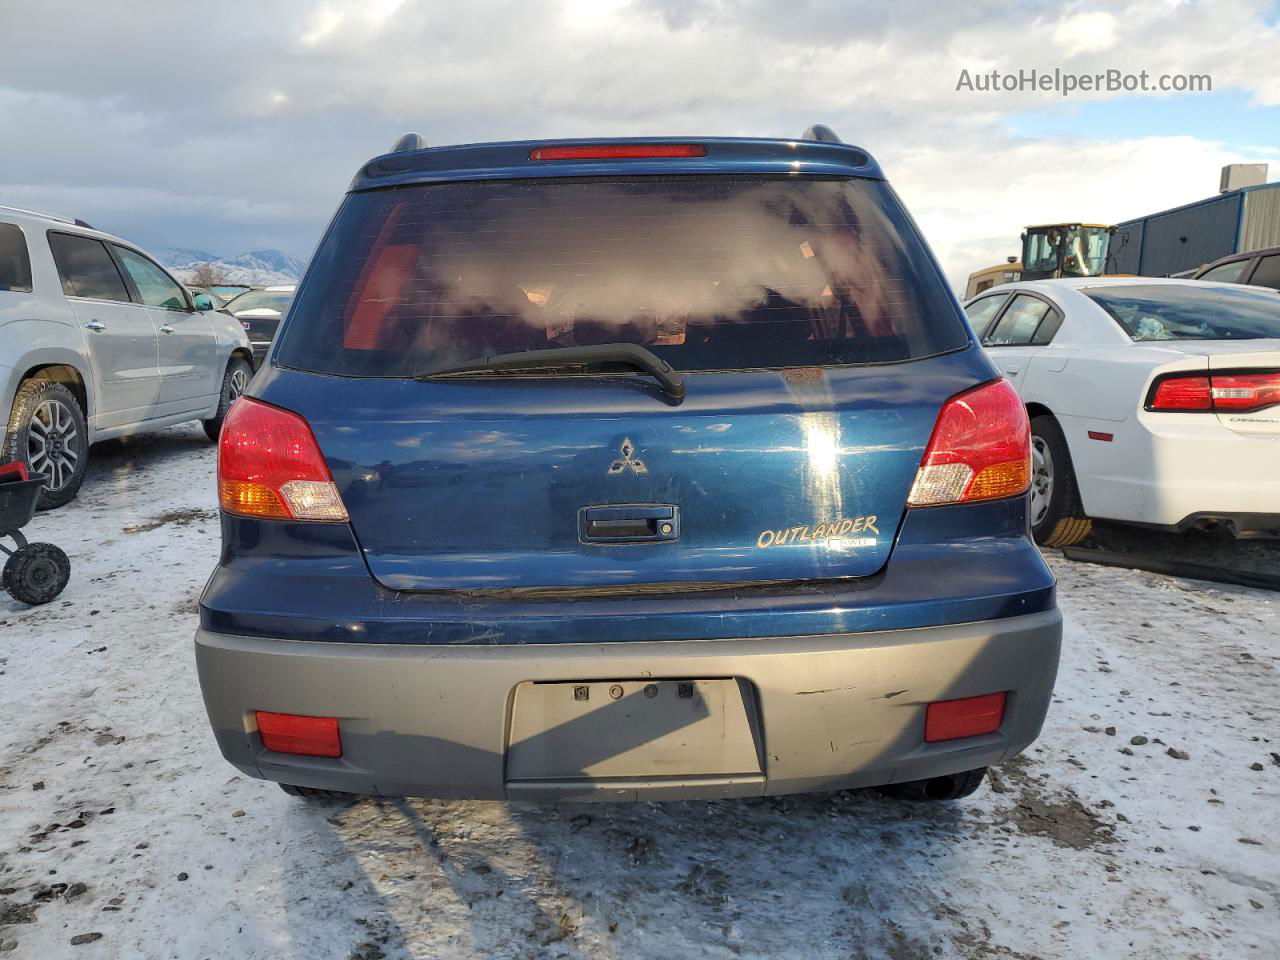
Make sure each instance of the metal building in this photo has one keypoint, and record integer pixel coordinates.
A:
(1184, 238)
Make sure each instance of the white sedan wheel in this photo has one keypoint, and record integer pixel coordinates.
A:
(1041, 479)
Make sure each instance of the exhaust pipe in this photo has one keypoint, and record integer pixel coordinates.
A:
(951, 786)
(941, 788)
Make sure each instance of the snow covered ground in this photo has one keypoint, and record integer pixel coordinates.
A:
(123, 832)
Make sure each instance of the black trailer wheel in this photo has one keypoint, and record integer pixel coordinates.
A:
(36, 573)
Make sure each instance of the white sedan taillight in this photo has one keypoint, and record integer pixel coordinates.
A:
(1219, 392)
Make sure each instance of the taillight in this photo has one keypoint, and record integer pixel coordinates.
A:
(1233, 392)
(1245, 391)
(980, 449)
(1183, 393)
(619, 151)
(270, 466)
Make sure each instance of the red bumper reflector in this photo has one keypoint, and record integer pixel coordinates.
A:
(619, 151)
(304, 736)
(953, 719)
(1099, 435)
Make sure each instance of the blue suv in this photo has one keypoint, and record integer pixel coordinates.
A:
(625, 469)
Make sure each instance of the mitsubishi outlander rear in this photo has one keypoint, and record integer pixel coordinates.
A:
(628, 469)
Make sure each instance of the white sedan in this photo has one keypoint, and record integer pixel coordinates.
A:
(1152, 401)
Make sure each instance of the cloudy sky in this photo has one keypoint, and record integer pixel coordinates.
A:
(236, 124)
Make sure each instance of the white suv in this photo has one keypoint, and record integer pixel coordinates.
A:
(97, 340)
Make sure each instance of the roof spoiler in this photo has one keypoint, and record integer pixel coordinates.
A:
(822, 133)
(819, 132)
(407, 142)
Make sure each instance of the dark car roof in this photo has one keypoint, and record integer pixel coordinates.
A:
(1235, 257)
(512, 161)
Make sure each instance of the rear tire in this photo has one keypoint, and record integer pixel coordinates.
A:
(47, 431)
(36, 573)
(237, 376)
(315, 793)
(1057, 514)
(954, 786)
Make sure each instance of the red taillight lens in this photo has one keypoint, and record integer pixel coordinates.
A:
(1234, 392)
(980, 449)
(270, 466)
(953, 719)
(1183, 393)
(1245, 391)
(304, 736)
(619, 151)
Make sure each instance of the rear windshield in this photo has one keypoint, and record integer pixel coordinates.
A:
(1176, 311)
(708, 272)
(261, 299)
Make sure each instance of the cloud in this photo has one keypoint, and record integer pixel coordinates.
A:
(238, 126)
(1085, 33)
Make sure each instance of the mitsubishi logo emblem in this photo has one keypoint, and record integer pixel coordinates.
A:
(628, 462)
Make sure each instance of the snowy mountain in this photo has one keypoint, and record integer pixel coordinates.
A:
(256, 266)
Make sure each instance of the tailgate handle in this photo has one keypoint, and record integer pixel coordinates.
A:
(629, 524)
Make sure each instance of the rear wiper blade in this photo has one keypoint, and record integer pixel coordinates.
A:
(629, 354)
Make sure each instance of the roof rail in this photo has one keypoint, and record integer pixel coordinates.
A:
(822, 133)
(409, 141)
(46, 216)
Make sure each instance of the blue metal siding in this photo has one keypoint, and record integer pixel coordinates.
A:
(1126, 248)
(1179, 239)
(1184, 239)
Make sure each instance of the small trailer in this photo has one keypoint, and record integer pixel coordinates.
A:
(33, 572)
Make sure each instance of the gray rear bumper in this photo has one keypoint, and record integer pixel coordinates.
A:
(816, 713)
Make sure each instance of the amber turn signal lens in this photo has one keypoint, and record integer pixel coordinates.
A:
(1001, 480)
(248, 499)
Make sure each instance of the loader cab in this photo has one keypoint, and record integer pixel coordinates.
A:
(1058, 250)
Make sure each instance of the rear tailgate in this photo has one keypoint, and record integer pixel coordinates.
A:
(769, 475)
(817, 341)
